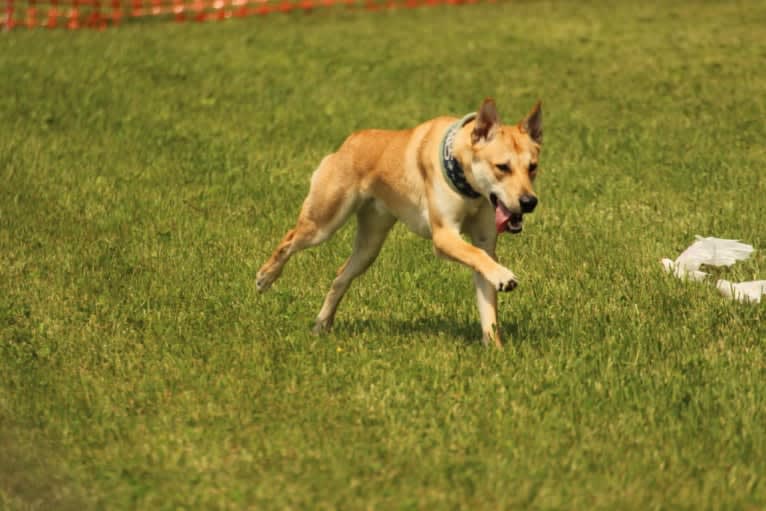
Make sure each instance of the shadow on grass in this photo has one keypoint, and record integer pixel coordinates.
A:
(29, 480)
(462, 331)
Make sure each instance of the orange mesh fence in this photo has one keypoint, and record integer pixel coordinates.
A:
(100, 14)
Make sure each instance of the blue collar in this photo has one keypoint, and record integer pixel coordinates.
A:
(453, 172)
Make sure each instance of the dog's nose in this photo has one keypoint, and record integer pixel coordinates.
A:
(528, 203)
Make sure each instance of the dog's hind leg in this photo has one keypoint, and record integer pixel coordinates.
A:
(331, 199)
(372, 228)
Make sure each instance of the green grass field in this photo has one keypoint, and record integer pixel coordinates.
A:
(146, 172)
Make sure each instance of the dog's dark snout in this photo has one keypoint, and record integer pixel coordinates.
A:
(528, 203)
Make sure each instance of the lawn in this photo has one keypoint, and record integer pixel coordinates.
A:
(147, 171)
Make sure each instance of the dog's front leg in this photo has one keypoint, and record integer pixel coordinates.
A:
(448, 243)
(484, 236)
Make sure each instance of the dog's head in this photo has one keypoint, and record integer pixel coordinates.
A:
(504, 163)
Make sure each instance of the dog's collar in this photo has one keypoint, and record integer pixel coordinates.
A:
(453, 172)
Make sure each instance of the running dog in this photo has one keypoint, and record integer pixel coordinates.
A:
(442, 178)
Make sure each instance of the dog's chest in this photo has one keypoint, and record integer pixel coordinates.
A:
(413, 214)
(417, 215)
(419, 224)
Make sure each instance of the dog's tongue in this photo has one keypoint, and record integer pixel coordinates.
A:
(502, 215)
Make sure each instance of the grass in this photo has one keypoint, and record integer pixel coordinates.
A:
(148, 171)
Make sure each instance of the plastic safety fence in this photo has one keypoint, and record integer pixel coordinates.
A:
(100, 14)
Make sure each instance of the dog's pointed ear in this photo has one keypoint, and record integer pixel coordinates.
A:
(533, 123)
(486, 121)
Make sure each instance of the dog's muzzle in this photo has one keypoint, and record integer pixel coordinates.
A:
(505, 219)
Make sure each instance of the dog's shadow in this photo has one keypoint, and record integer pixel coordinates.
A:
(465, 332)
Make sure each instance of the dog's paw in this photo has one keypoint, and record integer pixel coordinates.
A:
(503, 279)
(492, 338)
(322, 326)
(263, 281)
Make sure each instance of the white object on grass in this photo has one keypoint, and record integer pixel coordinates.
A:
(750, 291)
(708, 251)
(682, 272)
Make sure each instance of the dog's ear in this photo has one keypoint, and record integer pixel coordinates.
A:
(486, 121)
(533, 123)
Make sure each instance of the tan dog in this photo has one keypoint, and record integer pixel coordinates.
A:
(441, 178)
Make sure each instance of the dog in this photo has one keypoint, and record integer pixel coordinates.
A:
(442, 178)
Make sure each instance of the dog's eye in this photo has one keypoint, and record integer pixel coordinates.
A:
(532, 167)
(505, 167)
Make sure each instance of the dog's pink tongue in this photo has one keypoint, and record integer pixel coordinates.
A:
(502, 215)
